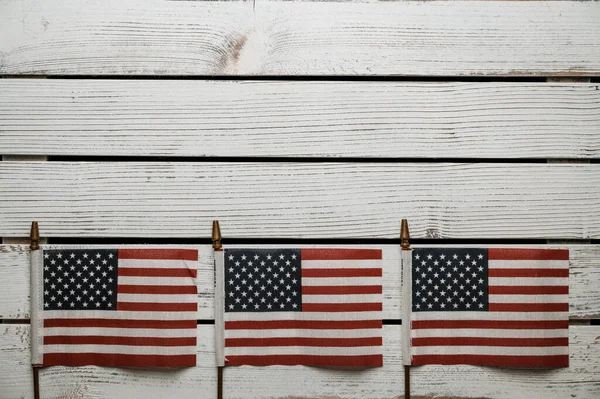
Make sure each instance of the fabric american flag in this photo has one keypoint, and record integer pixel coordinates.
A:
(313, 306)
(118, 307)
(495, 307)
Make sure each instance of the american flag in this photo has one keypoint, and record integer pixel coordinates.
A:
(495, 307)
(314, 306)
(117, 307)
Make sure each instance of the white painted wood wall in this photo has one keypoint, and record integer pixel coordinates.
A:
(118, 126)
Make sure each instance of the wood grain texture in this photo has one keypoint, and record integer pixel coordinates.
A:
(103, 382)
(300, 200)
(584, 292)
(15, 279)
(581, 380)
(16, 377)
(299, 119)
(304, 38)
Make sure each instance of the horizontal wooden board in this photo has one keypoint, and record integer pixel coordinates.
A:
(580, 380)
(305, 38)
(300, 200)
(584, 292)
(103, 382)
(16, 377)
(299, 119)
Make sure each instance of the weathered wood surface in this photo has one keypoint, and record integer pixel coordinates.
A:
(584, 292)
(299, 119)
(299, 38)
(299, 200)
(16, 379)
(581, 380)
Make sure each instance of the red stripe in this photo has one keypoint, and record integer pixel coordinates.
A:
(528, 307)
(341, 272)
(301, 341)
(529, 289)
(118, 360)
(165, 253)
(479, 341)
(307, 360)
(157, 289)
(125, 323)
(339, 254)
(341, 289)
(527, 254)
(494, 360)
(108, 340)
(528, 272)
(492, 324)
(156, 272)
(157, 307)
(302, 324)
(341, 307)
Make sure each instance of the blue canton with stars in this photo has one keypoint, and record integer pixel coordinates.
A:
(449, 279)
(263, 280)
(80, 279)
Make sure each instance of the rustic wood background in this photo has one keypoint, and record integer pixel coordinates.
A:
(303, 123)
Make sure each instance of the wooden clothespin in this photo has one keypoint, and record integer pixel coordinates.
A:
(405, 245)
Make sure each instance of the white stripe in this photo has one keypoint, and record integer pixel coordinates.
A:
(340, 281)
(276, 333)
(122, 332)
(519, 281)
(156, 298)
(490, 316)
(528, 264)
(486, 332)
(329, 316)
(159, 263)
(491, 350)
(494, 298)
(354, 298)
(122, 349)
(342, 264)
(137, 280)
(120, 315)
(302, 350)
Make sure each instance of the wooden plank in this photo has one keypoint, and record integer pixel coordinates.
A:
(16, 380)
(579, 380)
(299, 119)
(15, 276)
(300, 200)
(16, 376)
(584, 293)
(305, 38)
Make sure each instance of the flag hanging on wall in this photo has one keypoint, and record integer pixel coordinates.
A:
(495, 307)
(114, 307)
(313, 306)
